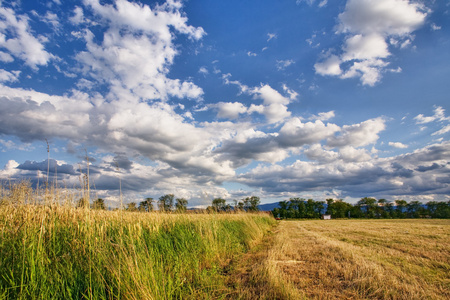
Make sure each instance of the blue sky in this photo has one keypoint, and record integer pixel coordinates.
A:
(203, 99)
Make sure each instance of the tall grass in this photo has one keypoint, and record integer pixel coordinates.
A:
(59, 252)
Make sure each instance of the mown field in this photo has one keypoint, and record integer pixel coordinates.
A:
(353, 259)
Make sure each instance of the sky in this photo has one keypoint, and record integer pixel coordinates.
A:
(203, 99)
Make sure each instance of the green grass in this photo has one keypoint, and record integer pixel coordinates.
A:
(65, 253)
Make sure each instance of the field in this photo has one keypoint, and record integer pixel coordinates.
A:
(352, 259)
(53, 250)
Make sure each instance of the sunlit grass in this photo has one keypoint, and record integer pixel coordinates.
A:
(58, 252)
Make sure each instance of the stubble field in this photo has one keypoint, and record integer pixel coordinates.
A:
(351, 259)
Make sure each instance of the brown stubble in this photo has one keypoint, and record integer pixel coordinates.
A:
(379, 259)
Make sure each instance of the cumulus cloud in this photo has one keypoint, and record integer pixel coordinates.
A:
(18, 39)
(229, 110)
(369, 25)
(358, 135)
(294, 133)
(137, 49)
(329, 66)
(274, 106)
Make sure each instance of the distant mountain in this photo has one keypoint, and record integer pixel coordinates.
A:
(268, 206)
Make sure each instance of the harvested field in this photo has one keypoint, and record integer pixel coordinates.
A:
(353, 259)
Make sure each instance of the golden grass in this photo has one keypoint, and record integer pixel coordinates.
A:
(360, 259)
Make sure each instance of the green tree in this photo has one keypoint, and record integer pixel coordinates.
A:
(310, 209)
(380, 208)
(414, 209)
(338, 209)
(218, 204)
(82, 203)
(368, 205)
(146, 205)
(254, 203)
(283, 208)
(165, 203)
(99, 204)
(131, 206)
(400, 208)
(181, 205)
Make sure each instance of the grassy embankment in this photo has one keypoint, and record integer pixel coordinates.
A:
(55, 251)
(352, 259)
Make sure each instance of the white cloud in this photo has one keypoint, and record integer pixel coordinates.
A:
(275, 105)
(367, 47)
(5, 57)
(324, 116)
(358, 135)
(249, 53)
(329, 66)
(439, 115)
(283, 64)
(368, 24)
(398, 145)
(203, 70)
(230, 110)
(271, 36)
(78, 16)
(6, 76)
(292, 94)
(322, 3)
(351, 154)
(295, 133)
(16, 37)
(435, 27)
(444, 130)
(317, 153)
(137, 50)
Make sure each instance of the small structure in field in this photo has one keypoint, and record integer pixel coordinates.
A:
(326, 217)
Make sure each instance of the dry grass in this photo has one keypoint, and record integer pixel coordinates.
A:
(353, 259)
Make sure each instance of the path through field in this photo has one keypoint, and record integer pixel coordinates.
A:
(349, 259)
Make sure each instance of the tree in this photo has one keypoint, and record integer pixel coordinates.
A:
(368, 205)
(181, 205)
(99, 204)
(218, 204)
(146, 205)
(414, 209)
(310, 209)
(251, 203)
(131, 206)
(82, 203)
(338, 208)
(165, 202)
(400, 208)
(283, 209)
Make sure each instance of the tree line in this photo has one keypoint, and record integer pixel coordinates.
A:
(298, 208)
(165, 203)
(168, 203)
